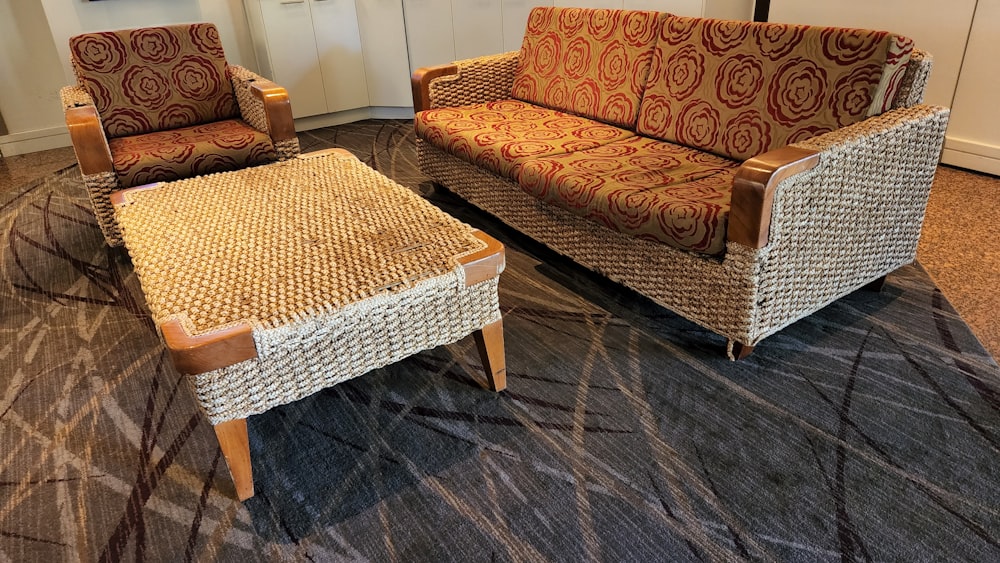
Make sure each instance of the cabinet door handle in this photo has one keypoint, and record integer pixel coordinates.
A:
(293, 1)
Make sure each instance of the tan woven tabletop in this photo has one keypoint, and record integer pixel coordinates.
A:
(272, 244)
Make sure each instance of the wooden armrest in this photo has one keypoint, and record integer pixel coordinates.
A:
(485, 264)
(277, 108)
(207, 352)
(420, 82)
(753, 192)
(89, 142)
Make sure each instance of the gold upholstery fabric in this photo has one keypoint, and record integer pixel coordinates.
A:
(500, 136)
(155, 78)
(738, 89)
(164, 156)
(590, 62)
(643, 187)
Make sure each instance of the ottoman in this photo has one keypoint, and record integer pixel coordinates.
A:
(270, 283)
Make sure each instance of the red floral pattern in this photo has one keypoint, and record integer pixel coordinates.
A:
(737, 89)
(500, 136)
(576, 60)
(643, 187)
(181, 153)
(149, 79)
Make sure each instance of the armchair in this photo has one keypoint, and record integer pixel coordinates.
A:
(158, 104)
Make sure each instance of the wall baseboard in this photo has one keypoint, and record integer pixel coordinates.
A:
(971, 155)
(34, 141)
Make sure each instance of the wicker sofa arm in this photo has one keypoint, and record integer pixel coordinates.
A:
(873, 172)
(465, 82)
(86, 131)
(264, 105)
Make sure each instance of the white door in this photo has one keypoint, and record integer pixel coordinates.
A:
(430, 37)
(294, 60)
(338, 41)
(383, 39)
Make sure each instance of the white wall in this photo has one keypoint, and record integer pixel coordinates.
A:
(31, 76)
(34, 62)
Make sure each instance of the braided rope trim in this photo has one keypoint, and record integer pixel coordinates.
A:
(289, 148)
(251, 107)
(99, 189)
(914, 83)
(301, 358)
(74, 96)
(852, 219)
(478, 80)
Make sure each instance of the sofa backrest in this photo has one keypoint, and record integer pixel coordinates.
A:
(590, 62)
(155, 78)
(738, 89)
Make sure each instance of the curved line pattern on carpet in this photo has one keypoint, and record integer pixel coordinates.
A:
(868, 431)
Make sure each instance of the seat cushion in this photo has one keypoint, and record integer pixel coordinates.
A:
(643, 187)
(738, 89)
(590, 62)
(500, 136)
(155, 78)
(189, 151)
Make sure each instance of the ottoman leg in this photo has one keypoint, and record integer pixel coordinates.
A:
(235, 445)
(489, 340)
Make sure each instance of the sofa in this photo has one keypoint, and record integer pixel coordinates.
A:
(741, 174)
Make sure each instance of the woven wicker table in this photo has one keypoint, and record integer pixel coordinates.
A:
(271, 283)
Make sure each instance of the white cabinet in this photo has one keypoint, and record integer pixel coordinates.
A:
(974, 130)
(331, 55)
(338, 48)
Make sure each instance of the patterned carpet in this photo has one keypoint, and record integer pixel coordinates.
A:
(868, 431)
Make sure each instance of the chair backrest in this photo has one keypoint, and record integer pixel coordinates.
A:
(155, 78)
(738, 89)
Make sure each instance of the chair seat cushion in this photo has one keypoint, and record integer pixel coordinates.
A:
(643, 187)
(189, 151)
(499, 136)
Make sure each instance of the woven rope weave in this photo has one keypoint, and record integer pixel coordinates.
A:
(251, 107)
(478, 80)
(338, 269)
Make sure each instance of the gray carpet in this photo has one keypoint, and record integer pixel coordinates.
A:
(868, 431)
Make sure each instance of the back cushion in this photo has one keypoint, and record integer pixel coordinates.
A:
(738, 89)
(156, 78)
(589, 62)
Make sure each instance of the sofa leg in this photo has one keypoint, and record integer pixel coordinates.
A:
(875, 285)
(235, 445)
(738, 350)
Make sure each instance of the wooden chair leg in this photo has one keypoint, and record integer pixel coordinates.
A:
(875, 285)
(489, 340)
(235, 445)
(741, 350)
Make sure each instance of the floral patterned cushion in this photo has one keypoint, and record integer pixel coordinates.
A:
(643, 187)
(738, 89)
(189, 151)
(500, 136)
(156, 78)
(590, 62)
